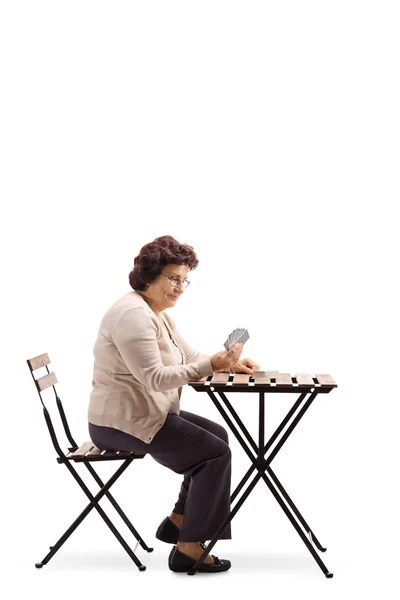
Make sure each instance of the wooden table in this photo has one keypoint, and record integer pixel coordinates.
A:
(266, 382)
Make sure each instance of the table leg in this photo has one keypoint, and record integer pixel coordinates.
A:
(307, 528)
(272, 455)
(297, 527)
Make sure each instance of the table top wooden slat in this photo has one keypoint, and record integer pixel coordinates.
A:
(264, 377)
(304, 379)
(326, 380)
(283, 379)
(201, 381)
(266, 380)
(240, 379)
(219, 378)
(322, 382)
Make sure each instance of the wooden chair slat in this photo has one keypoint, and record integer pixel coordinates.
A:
(88, 451)
(124, 454)
(94, 451)
(219, 378)
(120, 453)
(283, 379)
(304, 379)
(326, 380)
(241, 379)
(46, 381)
(83, 449)
(38, 361)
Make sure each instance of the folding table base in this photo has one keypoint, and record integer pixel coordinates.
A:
(261, 464)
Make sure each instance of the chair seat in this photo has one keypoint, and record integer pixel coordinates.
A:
(88, 452)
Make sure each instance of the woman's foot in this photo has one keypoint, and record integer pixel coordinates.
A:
(194, 550)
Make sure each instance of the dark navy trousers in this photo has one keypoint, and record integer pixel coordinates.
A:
(197, 448)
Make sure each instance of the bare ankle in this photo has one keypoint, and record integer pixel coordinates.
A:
(188, 545)
(194, 550)
(177, 519)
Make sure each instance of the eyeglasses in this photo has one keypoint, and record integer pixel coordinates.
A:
(175, 281)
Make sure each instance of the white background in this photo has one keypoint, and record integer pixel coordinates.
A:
(265, 135)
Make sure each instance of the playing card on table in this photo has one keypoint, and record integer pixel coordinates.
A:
(237, 336)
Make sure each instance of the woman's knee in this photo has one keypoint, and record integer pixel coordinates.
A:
(222, 433)
(226, 451)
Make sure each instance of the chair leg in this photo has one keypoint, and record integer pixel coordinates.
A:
(94, 500)
(119, 510)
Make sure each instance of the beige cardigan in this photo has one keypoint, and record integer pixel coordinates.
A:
(139, 370)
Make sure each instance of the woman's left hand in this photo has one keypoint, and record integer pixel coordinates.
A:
(245, 365)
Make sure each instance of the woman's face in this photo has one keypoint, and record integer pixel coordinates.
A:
(164, 293)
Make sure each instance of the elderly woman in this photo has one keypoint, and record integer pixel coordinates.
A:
(141, 362)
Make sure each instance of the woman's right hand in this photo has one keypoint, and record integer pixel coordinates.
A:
(224, 360)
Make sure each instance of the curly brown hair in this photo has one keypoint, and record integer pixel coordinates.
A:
(153, 257)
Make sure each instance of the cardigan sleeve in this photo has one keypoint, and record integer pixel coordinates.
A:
(135, 337)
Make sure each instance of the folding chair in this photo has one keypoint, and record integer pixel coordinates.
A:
(86, 453)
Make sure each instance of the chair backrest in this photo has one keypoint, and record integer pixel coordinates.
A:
(41, 384)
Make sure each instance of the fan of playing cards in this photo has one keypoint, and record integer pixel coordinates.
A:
(238, 336)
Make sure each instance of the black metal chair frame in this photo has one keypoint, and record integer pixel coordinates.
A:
(41, 384)
(260, 462)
